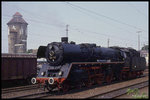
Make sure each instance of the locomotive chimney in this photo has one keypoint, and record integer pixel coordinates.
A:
(64, 39)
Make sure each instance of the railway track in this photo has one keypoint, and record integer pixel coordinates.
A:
(20, 88)
(23, 92)
(107, 90)
(120, 91)
(33, 96)
(33, 91)
(123, 90)
(108, 95)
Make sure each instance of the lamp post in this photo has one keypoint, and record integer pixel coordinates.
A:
(139, 39)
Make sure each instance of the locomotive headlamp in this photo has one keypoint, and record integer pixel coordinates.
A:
(60, 73)
(51, 80)
(33, 80)
(42, 73)
(135, 66)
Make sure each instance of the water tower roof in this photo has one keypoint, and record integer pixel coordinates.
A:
(17, 18)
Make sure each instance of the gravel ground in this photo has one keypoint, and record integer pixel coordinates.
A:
(20, 93)
(98, 90)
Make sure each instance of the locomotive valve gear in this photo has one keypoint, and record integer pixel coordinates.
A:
(51, 80)
(33, 80)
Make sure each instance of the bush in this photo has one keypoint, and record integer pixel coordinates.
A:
(135, 94)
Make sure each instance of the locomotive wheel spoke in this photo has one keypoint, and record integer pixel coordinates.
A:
(109, 78)
(130, 75)
(120, 77)
(88, 84)
(49, 89)
(65, 87)
(99, 82)
(59, 87)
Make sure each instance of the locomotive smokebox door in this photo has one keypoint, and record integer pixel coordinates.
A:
(54, 53)
(41, 52)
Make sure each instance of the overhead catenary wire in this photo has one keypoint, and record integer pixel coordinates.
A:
(101, 15)
(39, 35)
(38, 16)
(101, 20)
(47, 25)
(130, 4)
(42, 22)
(79, 9)
(98, 33)
(37, 21)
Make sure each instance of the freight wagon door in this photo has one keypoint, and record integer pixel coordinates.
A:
(20, 68)
(31, 67)
(4, 69)
(12, 70)
(26, 69)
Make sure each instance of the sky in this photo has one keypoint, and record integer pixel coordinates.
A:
(89, 22)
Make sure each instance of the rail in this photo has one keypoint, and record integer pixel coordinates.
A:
(20, 88)
(120, 91)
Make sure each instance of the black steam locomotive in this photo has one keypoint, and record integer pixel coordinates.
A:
(70, 65)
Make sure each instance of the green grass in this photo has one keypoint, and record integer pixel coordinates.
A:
(136, 95)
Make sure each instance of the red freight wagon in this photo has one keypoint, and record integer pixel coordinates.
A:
(18, 66)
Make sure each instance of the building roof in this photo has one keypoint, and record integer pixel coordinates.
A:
(17, 18)
(17, 14)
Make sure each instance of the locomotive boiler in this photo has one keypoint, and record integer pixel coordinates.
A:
(59, 53)
(72, 65)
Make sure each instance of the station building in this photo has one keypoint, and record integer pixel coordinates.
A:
(145, 53)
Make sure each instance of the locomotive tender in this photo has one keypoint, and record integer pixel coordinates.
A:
(75, 65)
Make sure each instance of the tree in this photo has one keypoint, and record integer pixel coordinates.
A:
(146, 47)
(29, 51)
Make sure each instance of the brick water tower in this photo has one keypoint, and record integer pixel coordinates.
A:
(17, 34)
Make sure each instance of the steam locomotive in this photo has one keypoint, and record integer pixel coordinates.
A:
(72, 65)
